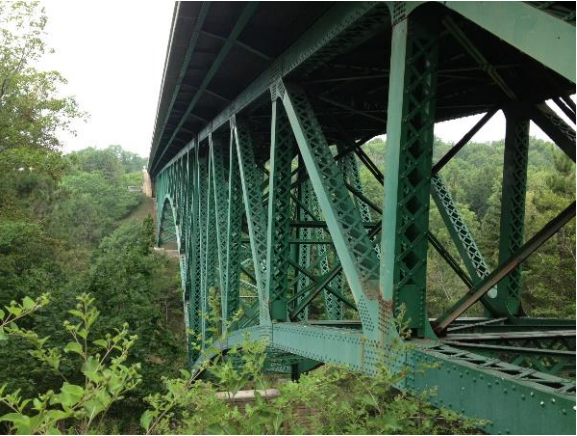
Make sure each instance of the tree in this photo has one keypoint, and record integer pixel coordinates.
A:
(31, 110)
(131, 162)
(28, 176)
(106, 162)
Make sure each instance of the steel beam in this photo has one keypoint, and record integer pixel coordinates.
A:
(196, 302)
(251, 182)
(412, 89)
(512, 226)
(553, 125)
(534, 32)
(462, 238)
(233, 234)
(206, 242)
(463, 141)
(504, 269)
(220, 192)
(469, 383)
(278, 251)
(305, 200)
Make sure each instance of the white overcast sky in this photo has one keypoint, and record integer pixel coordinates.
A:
(112, 54)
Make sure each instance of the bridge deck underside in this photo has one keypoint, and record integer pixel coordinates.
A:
(256, 160)
(351, 86)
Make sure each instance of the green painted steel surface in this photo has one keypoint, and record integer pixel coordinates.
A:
(265, 207)
(409, 159)
(512, 228)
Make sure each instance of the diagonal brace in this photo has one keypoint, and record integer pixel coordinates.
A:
(504, 269)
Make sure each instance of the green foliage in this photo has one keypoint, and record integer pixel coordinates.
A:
(190, 405)
(111, 162)
(102, 361)
(140, 287)
(147, 238)
(25, 258)
(15, 311)
(31, 110)
(131, 162)
(103, 162)
(88, 203)
(28, 177)
(335, 400)
(57, 235)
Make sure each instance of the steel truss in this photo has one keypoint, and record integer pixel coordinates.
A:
(279, 227)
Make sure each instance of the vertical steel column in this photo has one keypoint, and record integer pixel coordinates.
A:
(195, 273)
(185, 229)
(202, 195)
(179, 203)
(410, 137)
(220, 198)
(278, 230)
(210, 247)
(181, 219)
(233, 235)
(513, 195)
(256, 219)
(187, 237)
(304, 250)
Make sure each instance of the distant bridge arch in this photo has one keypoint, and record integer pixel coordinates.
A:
(168, 226)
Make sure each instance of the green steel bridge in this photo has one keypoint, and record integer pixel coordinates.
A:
(263, 112)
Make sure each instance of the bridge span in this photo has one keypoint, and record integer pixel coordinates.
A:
(263, 112)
